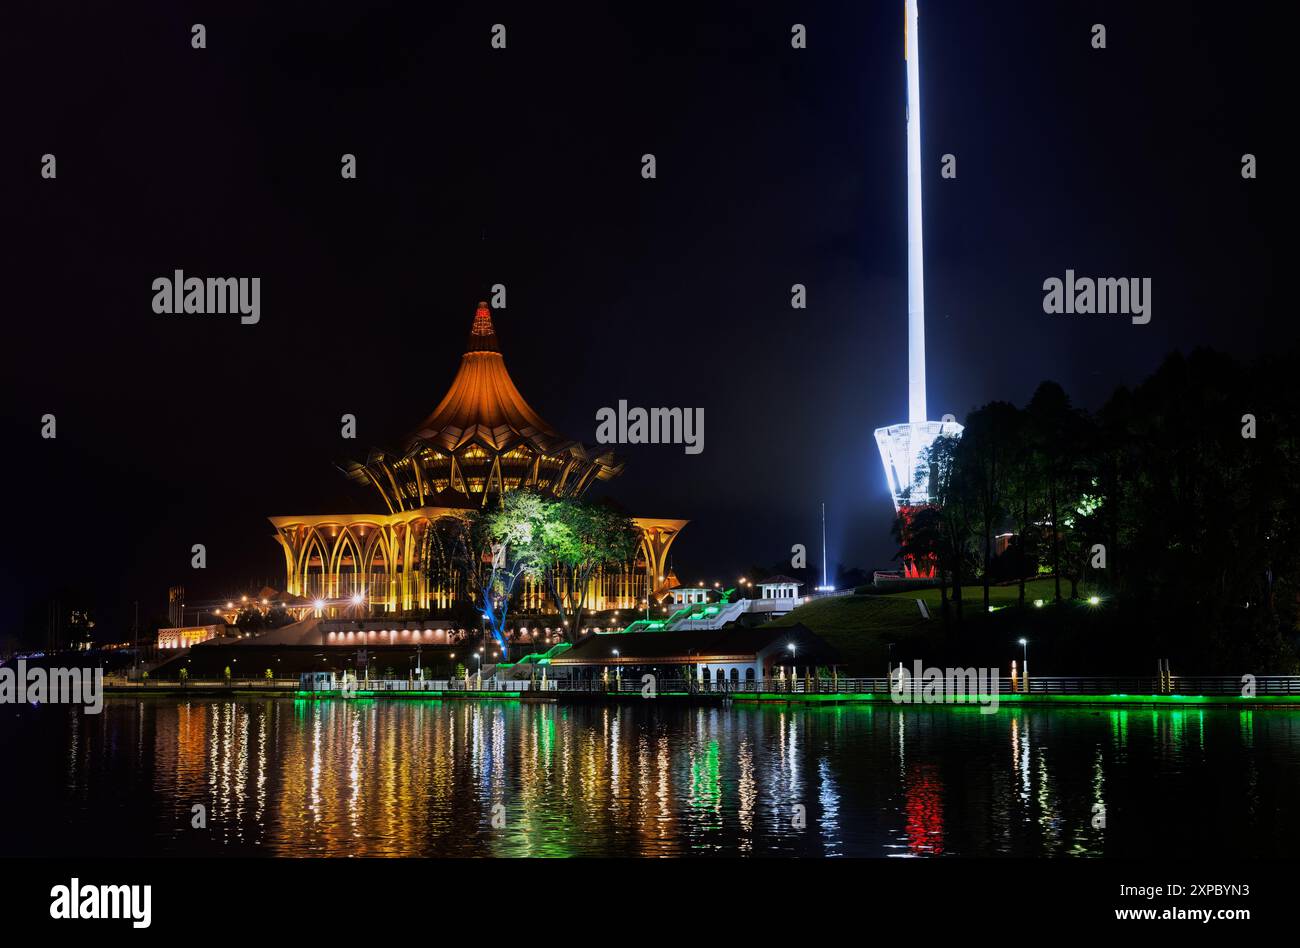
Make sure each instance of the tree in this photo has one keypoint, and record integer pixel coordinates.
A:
(1023, 471)
(1082, 525)
(277, 616)
(985, 458)
(955, 498)
(512, 533)
(577, 538)
(1190, 481)
(250, 619)
(484, 553)
(1055, 430)
(941, 529)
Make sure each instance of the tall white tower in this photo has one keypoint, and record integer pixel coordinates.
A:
(901, 445)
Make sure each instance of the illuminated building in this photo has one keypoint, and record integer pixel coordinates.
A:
(482, 440)
(731, 654)
(188, 636)
(902, 446)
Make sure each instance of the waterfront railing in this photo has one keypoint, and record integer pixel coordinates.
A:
(1120, 686)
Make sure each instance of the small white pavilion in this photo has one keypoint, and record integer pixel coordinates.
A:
(780, 587)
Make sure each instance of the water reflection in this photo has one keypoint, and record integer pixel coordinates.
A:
(287, 777)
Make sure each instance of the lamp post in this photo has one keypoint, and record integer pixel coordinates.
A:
(1024, 643)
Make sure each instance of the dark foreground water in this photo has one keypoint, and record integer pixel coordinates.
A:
(284, 777)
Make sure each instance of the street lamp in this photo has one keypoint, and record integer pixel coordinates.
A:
(1024, 643)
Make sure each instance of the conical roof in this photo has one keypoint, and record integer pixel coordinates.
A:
(483, 401)
(481, 441)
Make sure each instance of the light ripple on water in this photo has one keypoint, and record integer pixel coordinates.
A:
(281, 776)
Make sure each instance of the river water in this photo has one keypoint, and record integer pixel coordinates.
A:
(279, 776)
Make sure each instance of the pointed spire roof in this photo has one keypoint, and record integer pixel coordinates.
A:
(484, 401)
(482, 440)
(482, 335)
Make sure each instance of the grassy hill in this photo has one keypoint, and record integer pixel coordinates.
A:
(861, 627)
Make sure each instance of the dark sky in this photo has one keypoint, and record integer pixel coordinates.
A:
(775, 166)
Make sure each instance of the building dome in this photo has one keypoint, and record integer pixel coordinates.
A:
(483, 439)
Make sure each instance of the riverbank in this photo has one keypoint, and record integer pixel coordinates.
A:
(715, 698)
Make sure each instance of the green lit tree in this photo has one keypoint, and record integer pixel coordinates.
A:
(508, 538)
(576, 540)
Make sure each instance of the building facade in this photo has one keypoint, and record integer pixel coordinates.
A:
(481, 441)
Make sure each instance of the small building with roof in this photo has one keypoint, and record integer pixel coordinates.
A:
(779, 587)
(736, 655)
(689, 595)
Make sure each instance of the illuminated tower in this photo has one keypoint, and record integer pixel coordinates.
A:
(901, 445)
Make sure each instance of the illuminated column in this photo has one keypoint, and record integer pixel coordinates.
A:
(902, 446)
(915, 256)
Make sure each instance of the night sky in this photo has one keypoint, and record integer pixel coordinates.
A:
(476, 166)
